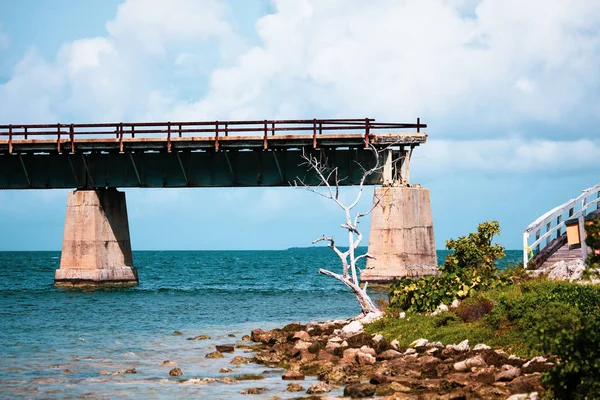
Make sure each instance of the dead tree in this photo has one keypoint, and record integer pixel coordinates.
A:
(330, 181)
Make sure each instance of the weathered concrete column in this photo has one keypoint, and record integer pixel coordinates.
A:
(96, 248)
(401, 238)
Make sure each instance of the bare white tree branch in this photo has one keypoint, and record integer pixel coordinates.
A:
(328, 178)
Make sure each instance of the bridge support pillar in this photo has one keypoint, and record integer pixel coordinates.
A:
(96, 248)
(401, 238)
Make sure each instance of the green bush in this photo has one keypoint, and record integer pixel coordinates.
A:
(577, 376)
(470, 267)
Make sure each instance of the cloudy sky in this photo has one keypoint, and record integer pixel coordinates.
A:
(510, 90)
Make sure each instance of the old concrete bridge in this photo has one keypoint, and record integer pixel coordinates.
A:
(95, 159)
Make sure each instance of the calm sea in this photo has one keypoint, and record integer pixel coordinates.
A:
(54, 342)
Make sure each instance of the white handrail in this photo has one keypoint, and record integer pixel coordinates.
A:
(555, 217)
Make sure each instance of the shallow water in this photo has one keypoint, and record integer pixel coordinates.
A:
(47, 331)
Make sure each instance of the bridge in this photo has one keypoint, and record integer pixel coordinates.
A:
(96, 159)
(559, 234)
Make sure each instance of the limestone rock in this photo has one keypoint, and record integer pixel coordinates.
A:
(225, 370)
(214, 354)
(126, 371)
(481, 346)
(292, 376)
(200, 337)
(389, 355)
(177, 333)
(419, 343)
(508, 373)
(246, 338)
(536, 364)
(365, 358)
(319, 388)
(395, 344)
(168, 363)
(294, 387)
(257, 390)
(469, 363)
(301, 335)
(353, 327)
(225, 348)
(175, 372)
(350, 355)
(239, 360)
(359, 390)
(462, 347)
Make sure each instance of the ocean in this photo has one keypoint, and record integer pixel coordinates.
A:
(62, 343)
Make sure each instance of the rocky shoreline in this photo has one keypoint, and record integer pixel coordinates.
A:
(341, 354)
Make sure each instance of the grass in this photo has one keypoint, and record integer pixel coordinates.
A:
(519, 312)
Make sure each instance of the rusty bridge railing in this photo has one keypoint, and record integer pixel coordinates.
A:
(71, 133)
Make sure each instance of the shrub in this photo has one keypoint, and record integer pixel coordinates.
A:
(474, 309)
(469, 268)
(576, 376)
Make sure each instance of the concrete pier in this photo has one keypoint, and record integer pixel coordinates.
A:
(401, 238)
(96, 248)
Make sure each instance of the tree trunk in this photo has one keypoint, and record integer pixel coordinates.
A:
(366, 304)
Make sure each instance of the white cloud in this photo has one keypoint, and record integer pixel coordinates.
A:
(156, 24)
(505, 156)
(507, 64)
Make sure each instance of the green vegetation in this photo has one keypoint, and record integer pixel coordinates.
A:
(469, 268)
(505, 309)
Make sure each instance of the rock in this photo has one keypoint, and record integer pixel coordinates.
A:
(525, 384)
(379, 343)
(325, 356)
(485, 375)
(175, 372)
(359, 340)
(419, 343)
(293, 327)
(301, 335)
(359, 390)
(318, 388)
(440, 309)
(214, 354)
(524, 396)
(225, 370)
(257, 390)
(481, 346)
(331, 346)
(246, 337)
(292, 376)
(409, 351)
(536, 364)
(168, 363)
(258, 335)
(104, 372)
(469, 363)
(314, 347)
(126, 371)
(67, 371)
(350, 355)
(228, 380)
(365, 358)
(462, 347)
(353, 327)
(294, 387)
(225, 348)
(177, 333)
(389, 355)
(267, 358)
(200, 337)
(508, 373)
(371, 317)
(396, 390)
(231, 335)
(395, 344)
(368, 350)
(239, 360)
(378, 379)
(402, 315)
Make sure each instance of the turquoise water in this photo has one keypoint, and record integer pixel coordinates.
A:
(55, 342)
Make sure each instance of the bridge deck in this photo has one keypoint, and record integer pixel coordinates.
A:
(206, 143)
(194, 154)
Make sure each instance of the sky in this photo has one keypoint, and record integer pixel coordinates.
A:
(510, 90)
